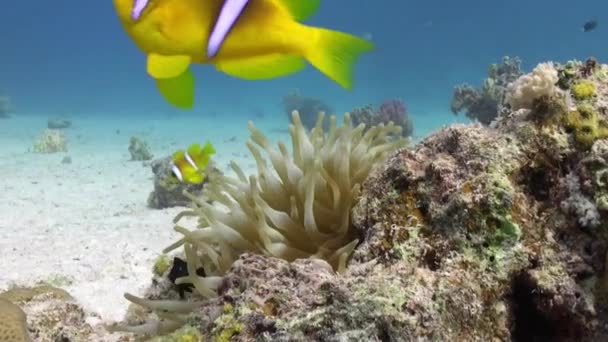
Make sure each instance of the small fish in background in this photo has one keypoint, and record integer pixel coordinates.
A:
(590, 26)
(368, 36)
(189, 166)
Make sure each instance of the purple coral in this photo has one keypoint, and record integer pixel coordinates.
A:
(393, 110)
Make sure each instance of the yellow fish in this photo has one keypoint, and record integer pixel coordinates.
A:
(267, 41)
(189, 166)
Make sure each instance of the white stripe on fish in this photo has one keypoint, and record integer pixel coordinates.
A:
(190, 161)
(177, 172)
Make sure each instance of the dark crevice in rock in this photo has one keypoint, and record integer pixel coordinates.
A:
(537, 316)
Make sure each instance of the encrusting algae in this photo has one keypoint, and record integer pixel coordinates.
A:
(583, 90)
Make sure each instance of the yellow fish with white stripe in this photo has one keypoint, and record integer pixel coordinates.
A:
(268, 40)
(189, 166)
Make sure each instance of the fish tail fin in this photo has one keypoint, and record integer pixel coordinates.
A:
(335, 53)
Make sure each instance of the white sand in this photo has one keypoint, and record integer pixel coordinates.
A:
(87, 222)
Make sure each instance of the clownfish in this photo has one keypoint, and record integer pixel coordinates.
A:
(260, 39)
(189, 166)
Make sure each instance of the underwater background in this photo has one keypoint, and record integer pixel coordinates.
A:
(81, 219)
(65, 58)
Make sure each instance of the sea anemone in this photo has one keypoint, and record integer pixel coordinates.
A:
(299, 209)
(297, 206)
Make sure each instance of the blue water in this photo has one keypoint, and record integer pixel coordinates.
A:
(71, 57)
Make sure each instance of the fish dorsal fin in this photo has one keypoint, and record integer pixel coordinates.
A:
(262, 67)
(179, 159)
(178, 91)
(209, 149)
(195, 153)
(301, 9)
(201, 155)
(161, 66)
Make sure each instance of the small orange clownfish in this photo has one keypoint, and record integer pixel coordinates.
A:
(189, 166)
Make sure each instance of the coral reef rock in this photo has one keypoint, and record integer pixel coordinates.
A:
(483, 104)
(139, 149)
(168, 192)
(44, 313)
(508, 221)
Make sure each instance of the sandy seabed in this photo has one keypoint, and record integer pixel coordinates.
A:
(85, 226)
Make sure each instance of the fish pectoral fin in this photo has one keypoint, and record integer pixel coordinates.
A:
(160, 66)
(194, 177)
(262, 67)
(178, 91)
(301, 9)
